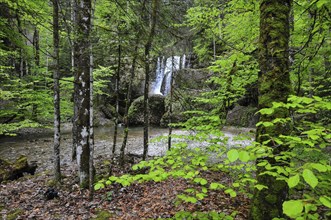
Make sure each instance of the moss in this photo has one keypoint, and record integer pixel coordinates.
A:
(14, 214)
(102, 215)
(271, 198)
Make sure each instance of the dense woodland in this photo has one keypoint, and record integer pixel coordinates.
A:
(68, 62)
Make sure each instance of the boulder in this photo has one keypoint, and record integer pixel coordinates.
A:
(242, 116)
(156, 110)
(12, 171)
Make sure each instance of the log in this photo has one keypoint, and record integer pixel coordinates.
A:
(13, 171)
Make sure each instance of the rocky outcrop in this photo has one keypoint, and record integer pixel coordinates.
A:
(156, 110)
(243, 116)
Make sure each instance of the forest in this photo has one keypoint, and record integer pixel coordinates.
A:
(165, 109)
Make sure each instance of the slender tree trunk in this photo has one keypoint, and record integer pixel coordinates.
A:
(74, 118)
(170, 104)
(274, 85)
(91, 138)
(117, 82)
(35, 43)
(128, 102)
(36, 46)
(56, 76)
(148, 47)
(82, 80)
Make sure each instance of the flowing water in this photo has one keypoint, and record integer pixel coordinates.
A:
(38, 146)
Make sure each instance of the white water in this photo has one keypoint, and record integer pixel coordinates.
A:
(164, 73)
(159, 76)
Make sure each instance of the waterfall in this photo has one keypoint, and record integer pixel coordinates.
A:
(157, 84)
(183, 61)
(164, 71)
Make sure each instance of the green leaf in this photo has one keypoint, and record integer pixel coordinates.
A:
(260, 186)
(310, 178)
(233, 155)
(319, 167)
(293, 208)
(98, 186)
(231, 192)
(293, 181)
(266, 111)
(200, 196)
(191, 199)
(326, 201)
(244, 156)
(204, 190)
(203, 182)
(216, 186)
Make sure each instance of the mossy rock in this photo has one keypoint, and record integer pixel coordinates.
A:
(156, 110)
(243, 116)
(12, 171)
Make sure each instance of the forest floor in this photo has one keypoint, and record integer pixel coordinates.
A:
(25, 198)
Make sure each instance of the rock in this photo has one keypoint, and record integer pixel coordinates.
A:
(12, 171)
(51, 194)
(243, 116)
(156, 110)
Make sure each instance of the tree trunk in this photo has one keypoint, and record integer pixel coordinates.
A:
(74, 117)
(170, 104)
(117, 82)
(82, 81)
(91, 138)
(274, 86)
(36, 46)
(148, 47)
(128, 102)
(56, 76)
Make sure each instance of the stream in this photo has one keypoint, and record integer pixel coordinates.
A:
(37, 144)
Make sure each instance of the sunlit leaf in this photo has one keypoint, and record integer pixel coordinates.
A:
(293, 208)
(326, 201)
(293, 180)
(310, 178)
(233, 155)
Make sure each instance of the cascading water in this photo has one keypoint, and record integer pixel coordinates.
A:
(164, 71)
(159, 77)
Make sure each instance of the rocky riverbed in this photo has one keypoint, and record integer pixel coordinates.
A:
(37, 144)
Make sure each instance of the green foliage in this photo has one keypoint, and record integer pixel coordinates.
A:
(309, 167)
(204, 215)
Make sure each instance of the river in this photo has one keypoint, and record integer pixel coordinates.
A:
(37, 145)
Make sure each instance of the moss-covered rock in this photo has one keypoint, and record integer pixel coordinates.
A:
(156, 110)
(11, 171)
(243, 116)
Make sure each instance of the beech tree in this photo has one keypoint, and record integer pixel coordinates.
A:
(82, 93)
(274, 86)
(56, 76)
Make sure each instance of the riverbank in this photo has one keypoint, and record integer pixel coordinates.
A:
(24, 198)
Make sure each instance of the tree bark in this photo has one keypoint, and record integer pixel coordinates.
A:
(82, 81)
(148, 47)
(117, 82)
(56, 76)
(274, 86)
(170, 104)
(74, 117)
(128, 102)
(91, 138)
